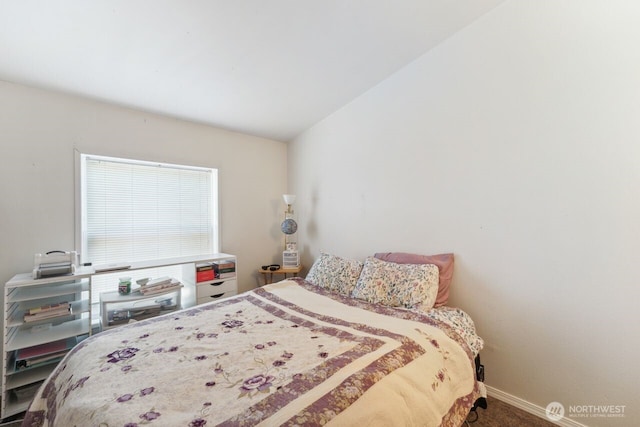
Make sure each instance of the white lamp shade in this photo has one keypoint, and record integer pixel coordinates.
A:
(289, 199)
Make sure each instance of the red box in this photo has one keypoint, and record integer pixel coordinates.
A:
(203, 276)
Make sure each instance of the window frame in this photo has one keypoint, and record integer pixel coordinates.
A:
(80, 187)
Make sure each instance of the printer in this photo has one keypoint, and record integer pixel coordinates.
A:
(54, 263)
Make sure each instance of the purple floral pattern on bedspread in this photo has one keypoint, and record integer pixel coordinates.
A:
(234, 362)
(455, 322)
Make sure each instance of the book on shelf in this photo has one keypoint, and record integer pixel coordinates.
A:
(41, 349)
(225, 264)
(226, 268)
(63, 310)
(161, 283)
(162, 290)
(29, 357)
(158, 281)
(162, 287)
(38, 361)
(204, 267)
(204, 275)
(48, 307)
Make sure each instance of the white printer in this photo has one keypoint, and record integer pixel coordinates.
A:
(54, 263)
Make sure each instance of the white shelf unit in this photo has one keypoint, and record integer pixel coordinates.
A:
(216, 290)
(212, 288)
(23, 292)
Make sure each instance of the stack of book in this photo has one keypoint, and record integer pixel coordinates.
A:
(47, 311)
(205, 272)
(42, 354)
(225, 269)
(160, 285)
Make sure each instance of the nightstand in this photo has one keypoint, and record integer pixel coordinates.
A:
(268, 274)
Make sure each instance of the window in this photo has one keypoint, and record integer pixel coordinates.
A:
(134, 210)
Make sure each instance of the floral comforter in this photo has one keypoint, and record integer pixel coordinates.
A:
(285, 354)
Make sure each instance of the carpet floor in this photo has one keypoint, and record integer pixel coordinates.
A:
(500, 414)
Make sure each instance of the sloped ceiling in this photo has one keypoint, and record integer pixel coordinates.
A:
(270, 68)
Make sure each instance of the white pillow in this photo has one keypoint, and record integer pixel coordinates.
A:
(335, 274)
(398, 285)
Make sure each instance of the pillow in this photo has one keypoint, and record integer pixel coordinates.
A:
(397, 285)
(443, 261)
(335, 274)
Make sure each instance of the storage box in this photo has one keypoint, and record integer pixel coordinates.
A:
(290, 259)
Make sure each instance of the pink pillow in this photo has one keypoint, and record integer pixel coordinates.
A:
(443, 261)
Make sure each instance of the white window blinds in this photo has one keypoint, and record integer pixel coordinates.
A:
(135, 210)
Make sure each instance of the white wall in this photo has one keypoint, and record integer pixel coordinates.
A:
(515, 145)
(39, 131)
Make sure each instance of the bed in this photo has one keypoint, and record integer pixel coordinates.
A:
(297, 352)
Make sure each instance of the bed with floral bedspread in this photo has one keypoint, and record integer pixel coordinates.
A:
(289, 353)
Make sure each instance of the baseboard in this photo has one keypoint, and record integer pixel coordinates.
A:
(529, 407)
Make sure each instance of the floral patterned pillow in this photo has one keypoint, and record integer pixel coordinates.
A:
(335, 274)
(398, 285)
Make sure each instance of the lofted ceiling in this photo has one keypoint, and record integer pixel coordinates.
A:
(270, 68)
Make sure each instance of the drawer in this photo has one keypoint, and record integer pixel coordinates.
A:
(207, 289)
(216, 297)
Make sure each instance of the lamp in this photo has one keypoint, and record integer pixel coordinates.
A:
(290, 256)
(289, 199)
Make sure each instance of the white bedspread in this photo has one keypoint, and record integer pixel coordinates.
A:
(285, 354)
